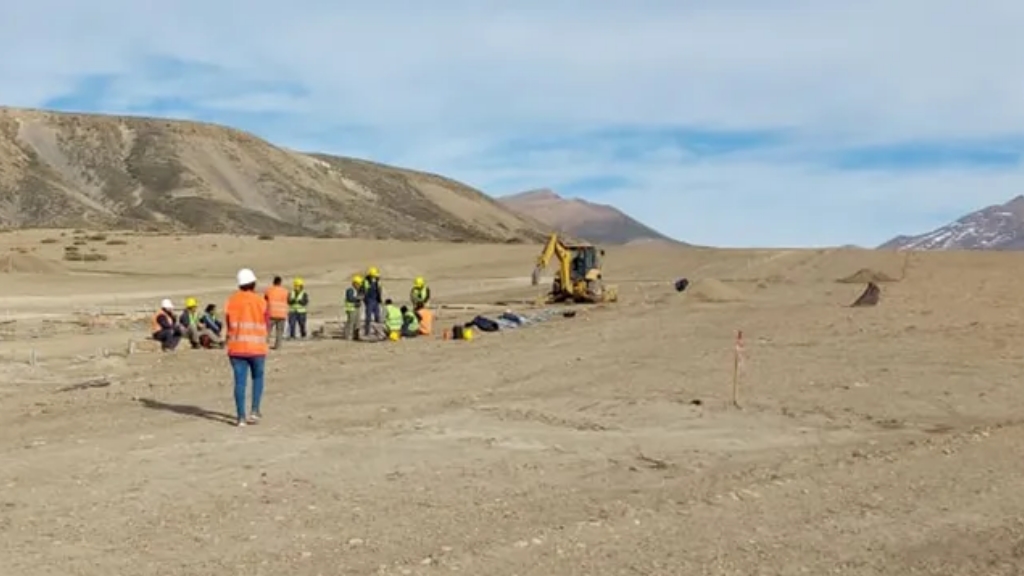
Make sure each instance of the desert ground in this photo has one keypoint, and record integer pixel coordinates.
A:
(882, 440)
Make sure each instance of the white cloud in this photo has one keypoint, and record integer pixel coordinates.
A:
(441, 83)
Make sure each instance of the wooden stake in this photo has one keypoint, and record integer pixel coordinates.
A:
(736, 357)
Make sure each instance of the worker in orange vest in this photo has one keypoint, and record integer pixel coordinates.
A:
(426, 319)
(165, 328)
(277, 307)
(246, 317)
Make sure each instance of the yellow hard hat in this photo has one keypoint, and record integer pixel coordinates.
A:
(467, 334)
(298, 282)
(357, 279)
(191, 303)
(393, 336)
(419, 282)
(373, 272)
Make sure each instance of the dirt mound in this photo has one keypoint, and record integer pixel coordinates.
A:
(17, 263)
(870, 297)
(711, 290)
(866, 275)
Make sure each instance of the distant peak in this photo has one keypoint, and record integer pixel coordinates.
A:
(1016, 201)
(538, 194)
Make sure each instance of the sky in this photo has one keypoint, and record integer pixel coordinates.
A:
(725, 122)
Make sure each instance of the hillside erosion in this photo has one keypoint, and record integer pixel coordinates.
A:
(116, 172)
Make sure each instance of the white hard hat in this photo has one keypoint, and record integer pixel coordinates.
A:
(246, 276)
(167, 304)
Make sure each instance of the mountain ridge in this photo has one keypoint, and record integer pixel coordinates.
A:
(595, 222)
(67, 170)
(994, 227)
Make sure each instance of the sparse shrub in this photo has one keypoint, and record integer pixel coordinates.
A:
(97, 238)
(71, 248)
(48, 241)
(74, 256)
(264, 237)
(116, 242)
(77, 231)
(80, 242)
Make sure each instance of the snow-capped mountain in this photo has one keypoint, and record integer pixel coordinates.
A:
(999, 227)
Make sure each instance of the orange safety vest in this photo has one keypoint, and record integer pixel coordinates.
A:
(156, 321)
(277, 301)
(426, 321)
(246, 316)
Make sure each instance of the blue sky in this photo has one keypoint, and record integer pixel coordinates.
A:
(733, 122)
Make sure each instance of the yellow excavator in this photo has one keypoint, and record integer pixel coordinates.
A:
(578, 278)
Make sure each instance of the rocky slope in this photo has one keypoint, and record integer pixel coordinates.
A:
(575, 217)
(109, 172)
(998, 227)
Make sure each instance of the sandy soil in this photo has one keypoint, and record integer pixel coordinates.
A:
(870, 441)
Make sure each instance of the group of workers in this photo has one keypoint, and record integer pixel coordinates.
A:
(289, 308)
(252, 321)
(367, 293)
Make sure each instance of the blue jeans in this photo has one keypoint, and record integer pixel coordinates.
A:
(296, 319)
(372, 313)
(242, 366)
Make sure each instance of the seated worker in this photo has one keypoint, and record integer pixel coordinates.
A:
(189, 321)
(410, 324)
(206, 331)
(210, 320)
(165, 328)
(392, 317)
(426, 319)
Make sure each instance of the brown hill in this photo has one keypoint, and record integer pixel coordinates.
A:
(86, 170)
(576, 217)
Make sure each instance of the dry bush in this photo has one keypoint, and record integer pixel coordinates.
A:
(96, 238)
(48, 241)
(80, 242)
(264, 237)
(76, 256)
(117, 242)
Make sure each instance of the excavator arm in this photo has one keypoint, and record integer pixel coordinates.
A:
(554, 249)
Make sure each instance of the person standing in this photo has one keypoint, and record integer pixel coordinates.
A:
(353, 301)
(373, 295)
(246, 315)
(277, 306)
(419, 295)
(298, 300)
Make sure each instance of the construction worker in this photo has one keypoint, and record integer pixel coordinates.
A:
(353, 302)
(373, 295)
(426, 320)
(410, 323)
(212, 325)
(297, 302)
(393, 319)
(165, 327)
(420, 293)
(277, 307)
(192, 326)
(245, 315)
